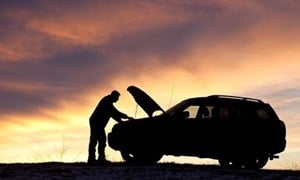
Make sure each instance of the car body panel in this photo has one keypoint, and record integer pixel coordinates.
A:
(144, 100)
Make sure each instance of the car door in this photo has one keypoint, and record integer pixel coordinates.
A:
(196, 129)
(211, 129)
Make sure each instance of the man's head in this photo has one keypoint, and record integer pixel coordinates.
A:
(115, 95)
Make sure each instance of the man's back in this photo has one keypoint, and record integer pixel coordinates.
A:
(102, 112)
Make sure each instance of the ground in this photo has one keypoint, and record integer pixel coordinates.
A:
(57, 170)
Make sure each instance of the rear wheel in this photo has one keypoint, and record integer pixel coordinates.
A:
(249, 163)
(256, 162)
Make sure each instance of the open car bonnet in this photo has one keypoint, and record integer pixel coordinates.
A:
(144, 100)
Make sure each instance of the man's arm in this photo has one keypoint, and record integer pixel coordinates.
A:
(117, 115)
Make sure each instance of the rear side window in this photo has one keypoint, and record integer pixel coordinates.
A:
(262, 114)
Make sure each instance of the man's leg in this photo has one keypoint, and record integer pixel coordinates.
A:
(92, 144)
(101, 145)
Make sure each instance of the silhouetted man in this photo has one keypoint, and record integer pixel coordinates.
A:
(98, 120)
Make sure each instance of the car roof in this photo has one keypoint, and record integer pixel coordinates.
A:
(226, 99)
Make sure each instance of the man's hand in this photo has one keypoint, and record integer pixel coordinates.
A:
(130, 118)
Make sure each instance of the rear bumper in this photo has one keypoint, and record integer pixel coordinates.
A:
(278, 141)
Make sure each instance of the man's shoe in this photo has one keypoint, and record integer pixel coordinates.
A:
(92, 162)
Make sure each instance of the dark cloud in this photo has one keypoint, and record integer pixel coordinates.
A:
(41, 6)
(288, 98)
(65, 76)
(288, 92)
(166, 43)
(15, 102)
(285, 100)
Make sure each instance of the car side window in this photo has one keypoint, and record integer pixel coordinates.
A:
(199, 112)
(262, 114)
(193, 110)
(220, 113)
(205, 112)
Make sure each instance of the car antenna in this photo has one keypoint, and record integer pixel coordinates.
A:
(136, 109)
(171, 96)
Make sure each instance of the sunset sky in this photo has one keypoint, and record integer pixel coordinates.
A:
(58, 58)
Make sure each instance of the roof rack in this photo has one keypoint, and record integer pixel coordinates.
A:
(237, 97)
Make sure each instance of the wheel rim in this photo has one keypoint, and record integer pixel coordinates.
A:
(257, 162)
(145, 158)
(128, 157)
(229, 163)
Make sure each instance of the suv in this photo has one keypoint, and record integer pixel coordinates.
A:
(236, 131)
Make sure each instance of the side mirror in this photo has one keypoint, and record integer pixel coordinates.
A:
(185, 114)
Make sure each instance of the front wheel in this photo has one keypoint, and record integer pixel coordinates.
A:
(142, 157)
(226, 163)
(127, 157)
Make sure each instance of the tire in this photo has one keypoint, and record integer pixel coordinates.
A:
(127, 157)
(141, 158)
(256, 162)
(226, 163)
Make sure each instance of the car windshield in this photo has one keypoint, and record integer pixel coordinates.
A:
(177, 107)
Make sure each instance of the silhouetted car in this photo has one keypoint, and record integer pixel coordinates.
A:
(237, 131)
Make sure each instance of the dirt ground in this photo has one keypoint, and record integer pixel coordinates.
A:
(57, 170)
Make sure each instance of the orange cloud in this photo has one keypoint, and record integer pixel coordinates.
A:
(94, 25)
(98, 24)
